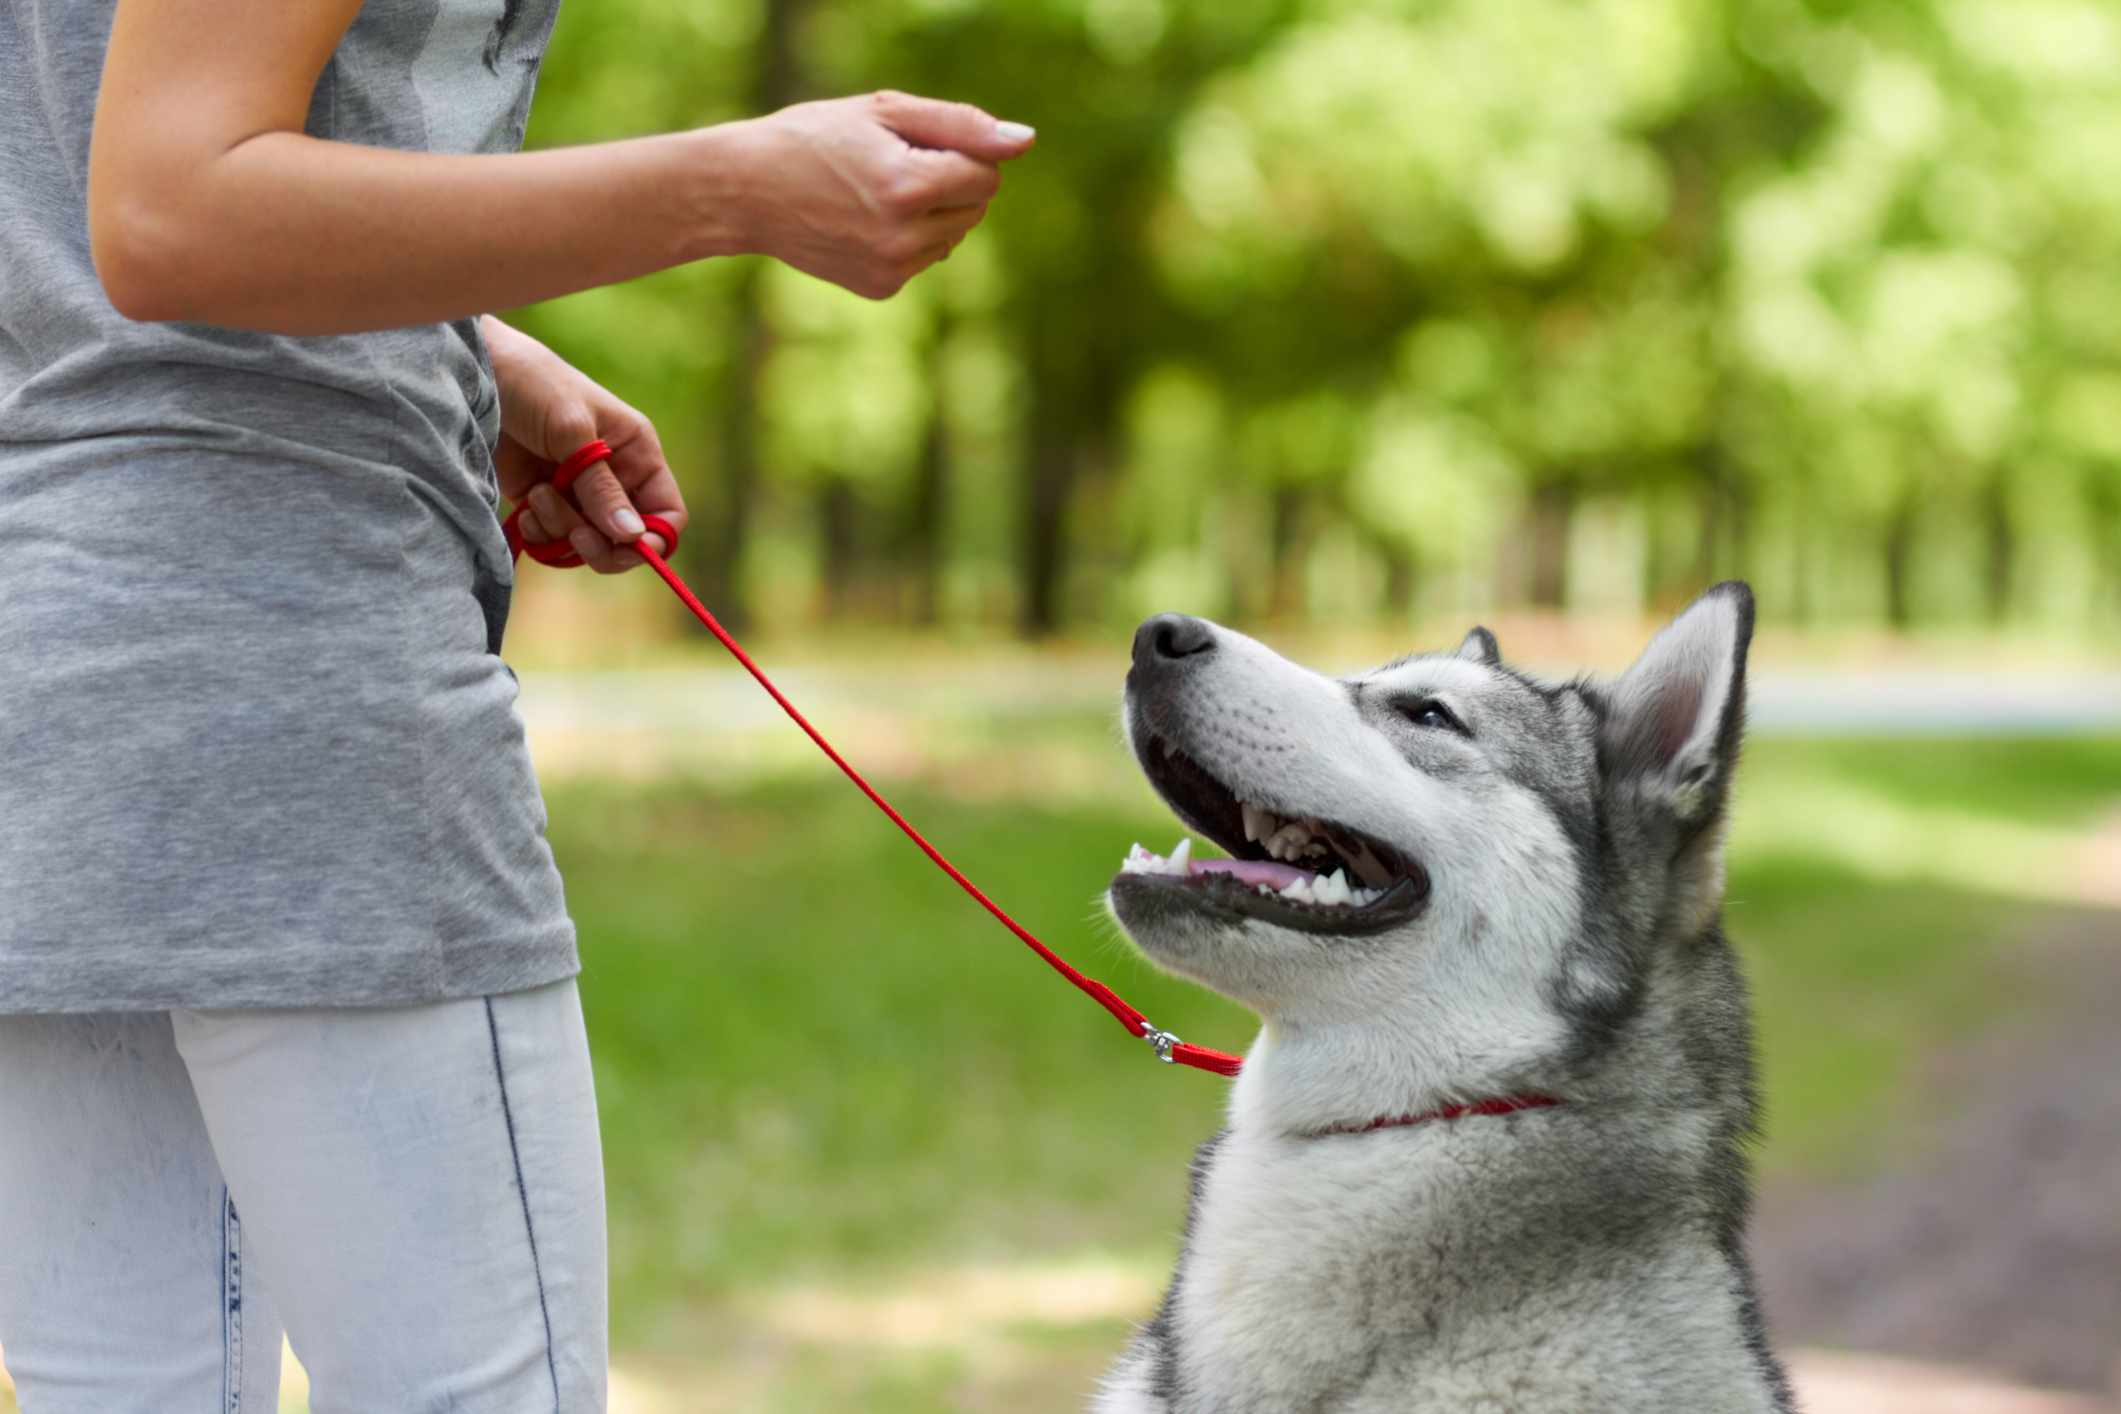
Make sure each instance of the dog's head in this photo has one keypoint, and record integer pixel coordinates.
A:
(1442, 858)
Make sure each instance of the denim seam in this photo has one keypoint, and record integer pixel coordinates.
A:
(231, 1306)
(515, 1156)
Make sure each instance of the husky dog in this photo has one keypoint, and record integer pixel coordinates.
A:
(1488, 1152)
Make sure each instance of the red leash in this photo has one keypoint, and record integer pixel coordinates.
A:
(560, 555)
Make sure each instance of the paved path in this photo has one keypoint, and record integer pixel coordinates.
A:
(1829, 1383)
(1995, 1238)
(1793, 703)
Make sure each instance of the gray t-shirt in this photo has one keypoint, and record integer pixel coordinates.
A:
(257, 746)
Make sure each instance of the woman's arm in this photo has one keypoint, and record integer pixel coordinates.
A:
(208, 202)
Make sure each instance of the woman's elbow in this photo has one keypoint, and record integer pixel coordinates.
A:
(139, 252)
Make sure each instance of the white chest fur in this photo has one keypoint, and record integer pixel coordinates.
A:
(1360, 1273)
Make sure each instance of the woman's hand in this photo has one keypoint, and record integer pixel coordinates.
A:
(868, 192)
(549, 409)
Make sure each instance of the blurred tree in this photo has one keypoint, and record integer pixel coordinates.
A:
(1104, 83)
(1409, 297)
(776, 81)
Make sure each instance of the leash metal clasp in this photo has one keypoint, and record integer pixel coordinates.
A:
(1161, 1042)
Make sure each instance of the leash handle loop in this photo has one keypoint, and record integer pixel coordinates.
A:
(1168, 1047)
(558, 553)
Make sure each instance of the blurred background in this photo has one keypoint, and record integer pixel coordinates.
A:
(1351, 323)
(1345, 312)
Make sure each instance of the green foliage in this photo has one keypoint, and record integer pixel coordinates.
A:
(1817, 293)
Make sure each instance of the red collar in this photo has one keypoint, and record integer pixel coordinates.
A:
(1508, 1104)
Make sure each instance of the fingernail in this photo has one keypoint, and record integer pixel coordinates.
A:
(1014, 132)
(627, 522)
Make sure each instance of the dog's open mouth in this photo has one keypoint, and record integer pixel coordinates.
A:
(1299, 871)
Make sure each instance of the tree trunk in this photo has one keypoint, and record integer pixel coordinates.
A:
(1548, 518)
(1050, 472)
(1288, 540)
(1899, 563)
(1799, 609)
(2001, 544)
(923, 537)
(1072, 410)
(839, 545)
(777, 83)
(722, 569)
(1720, 553)
(2103, 498)
(1656, 550)
(1401, 581)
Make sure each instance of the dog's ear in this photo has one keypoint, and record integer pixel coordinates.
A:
(1677, 715)
(1481, 647)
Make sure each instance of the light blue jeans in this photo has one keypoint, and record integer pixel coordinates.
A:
(417, 1193)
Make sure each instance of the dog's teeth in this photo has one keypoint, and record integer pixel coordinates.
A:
(1258, 823)
(1288, 841)
(1300, 892)
(1180, 860)
(1333, 888)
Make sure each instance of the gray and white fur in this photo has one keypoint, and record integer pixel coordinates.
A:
(1557, 931)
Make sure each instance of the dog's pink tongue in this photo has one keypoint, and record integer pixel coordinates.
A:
(1274, 875)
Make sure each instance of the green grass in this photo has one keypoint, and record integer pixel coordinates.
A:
(817, 1059)
(814, 1053)
(2047, 780)
(822, 1068)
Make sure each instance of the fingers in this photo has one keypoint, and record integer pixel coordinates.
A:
(549, 410)
(658, 495)
(936, 181)
(515, 466)
(868, 179)
(914, 248)
(549, 516)
(641, 471)
(569, 422)
(952, 127)
(607, 522)
(943, 228)
(605, 504)
(600, 515)
(529, 527)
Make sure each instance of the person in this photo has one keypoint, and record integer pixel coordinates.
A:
(289, 1035)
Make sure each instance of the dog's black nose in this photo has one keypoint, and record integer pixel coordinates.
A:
(1171, 636)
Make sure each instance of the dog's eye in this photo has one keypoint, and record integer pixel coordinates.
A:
(1428, 712)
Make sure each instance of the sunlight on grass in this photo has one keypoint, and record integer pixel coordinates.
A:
(2006, 819)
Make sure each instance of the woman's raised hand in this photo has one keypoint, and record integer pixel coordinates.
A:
(868, 192)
